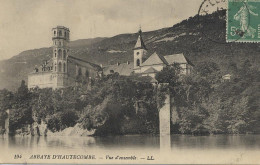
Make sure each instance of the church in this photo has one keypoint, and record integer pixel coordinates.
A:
(62, 69)
(148, 66)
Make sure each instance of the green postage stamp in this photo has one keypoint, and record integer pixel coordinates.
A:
(243, 21)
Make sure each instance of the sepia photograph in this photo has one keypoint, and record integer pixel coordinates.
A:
(129, 81)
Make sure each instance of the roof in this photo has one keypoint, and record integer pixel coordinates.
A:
(83, 63)
(150, 70)
(123, 69)
(227, 76)
(61, 27)
(140, 43)
(155, 59)
(49, 63)
(176, 58)
(46, 66)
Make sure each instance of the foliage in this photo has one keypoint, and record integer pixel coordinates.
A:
(115, 100)
(62, 120)
(21, 108)
(207, 105)
(54, 123)
(114, 104)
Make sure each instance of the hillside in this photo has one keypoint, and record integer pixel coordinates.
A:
(190, 37)
(15, 69)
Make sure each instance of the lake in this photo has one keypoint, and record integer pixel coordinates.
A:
(201, 147)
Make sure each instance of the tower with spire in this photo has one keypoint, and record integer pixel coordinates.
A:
(140, 51)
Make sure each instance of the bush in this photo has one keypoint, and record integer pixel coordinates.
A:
(68, 118)
(54, 124)
(62, 120)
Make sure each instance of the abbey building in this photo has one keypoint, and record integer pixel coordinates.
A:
(148, 65)
(62, 69)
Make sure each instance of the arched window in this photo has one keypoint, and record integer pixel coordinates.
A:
(64, 67)
(54, 33)
(64, 54)
(55, 67)
(137, 62)
(59, 53)
(59, 67)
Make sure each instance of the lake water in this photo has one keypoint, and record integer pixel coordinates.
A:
(202, 147)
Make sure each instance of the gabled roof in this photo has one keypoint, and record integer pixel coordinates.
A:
(124, 69)
(155, 59)
(176, 58)
(140, 43)
(150, 70)
(83, 63)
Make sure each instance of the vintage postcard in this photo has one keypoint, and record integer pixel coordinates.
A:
(129, 81)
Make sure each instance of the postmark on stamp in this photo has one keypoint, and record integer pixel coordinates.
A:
(243, 21)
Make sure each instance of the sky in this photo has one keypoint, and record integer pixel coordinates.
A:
(27, 24)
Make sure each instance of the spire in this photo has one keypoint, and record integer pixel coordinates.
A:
(140, 30)
(140, 43)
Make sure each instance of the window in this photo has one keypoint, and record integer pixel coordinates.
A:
(65, 34)
(55, 55)
(64, 67)
(55, 67)
(64, 54)
(137, 62)
(60, 33)
(59, 53)
(137, 53)
(59, 67)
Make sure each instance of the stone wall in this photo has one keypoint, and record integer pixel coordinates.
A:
(40, 79)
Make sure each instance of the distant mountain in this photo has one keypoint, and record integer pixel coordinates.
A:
(199, 38)
(15, 69)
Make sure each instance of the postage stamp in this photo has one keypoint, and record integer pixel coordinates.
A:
(243, 21)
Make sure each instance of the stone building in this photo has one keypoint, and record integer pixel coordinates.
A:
(148, 66)
(63, 69)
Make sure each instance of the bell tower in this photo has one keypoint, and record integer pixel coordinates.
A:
(139, 52)
(60, 38)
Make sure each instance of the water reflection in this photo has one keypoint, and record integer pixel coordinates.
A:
(216, 142)
(165, 143)
(135, 142)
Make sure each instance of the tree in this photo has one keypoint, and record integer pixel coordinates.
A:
(210, 71)
(169, 74)
(6, 100)
(22, 90)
